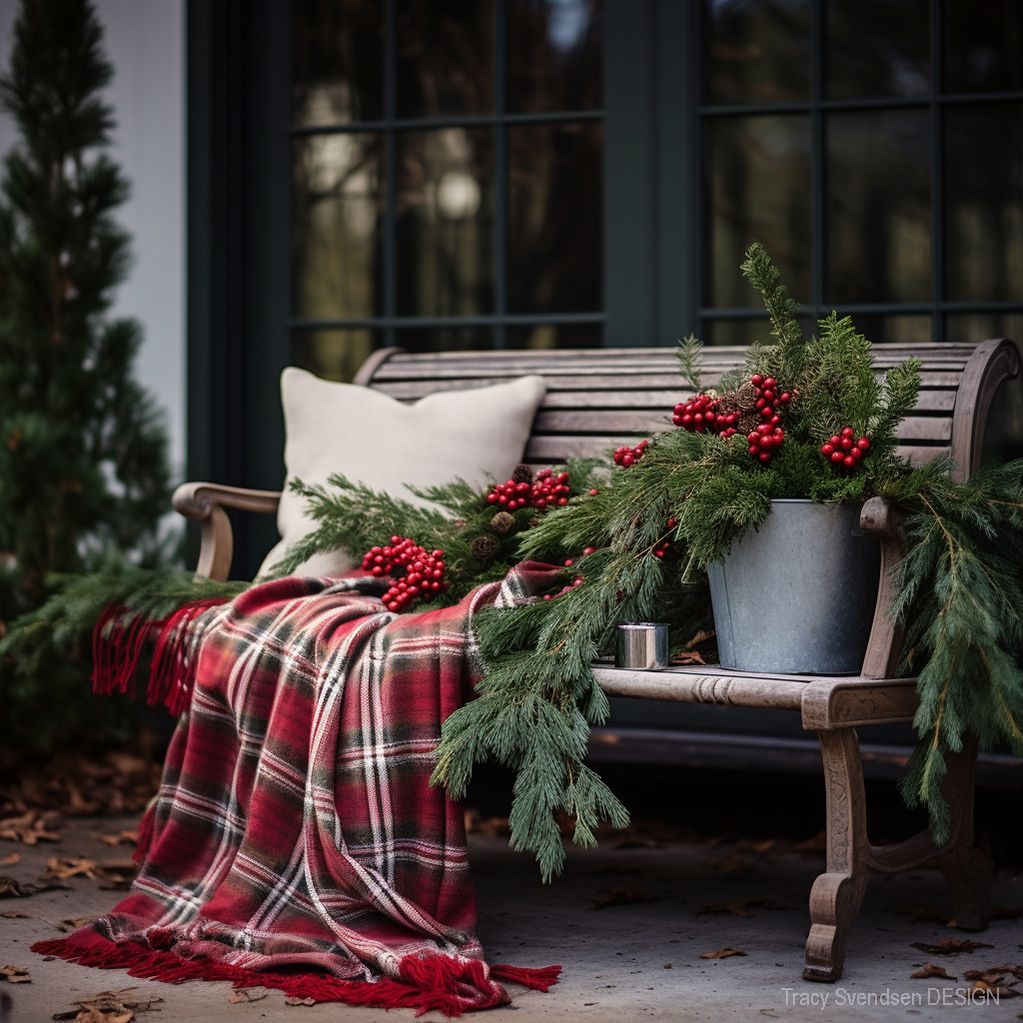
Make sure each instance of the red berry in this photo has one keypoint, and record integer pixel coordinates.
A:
(837, 457)
(827, 449)
(863, 443)
(850, 462)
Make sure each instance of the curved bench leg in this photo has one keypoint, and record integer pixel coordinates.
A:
(966, 868)
(837, 894)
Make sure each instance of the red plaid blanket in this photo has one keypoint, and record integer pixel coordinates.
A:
(296, 841)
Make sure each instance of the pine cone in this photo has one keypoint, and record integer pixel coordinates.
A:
(745, 396)
(522, 474)
(502, 523)
(483, 547)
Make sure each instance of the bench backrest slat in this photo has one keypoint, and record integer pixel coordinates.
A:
(599, 398)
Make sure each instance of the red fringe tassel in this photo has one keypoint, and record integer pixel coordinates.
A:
(118, 642)
(449, 985)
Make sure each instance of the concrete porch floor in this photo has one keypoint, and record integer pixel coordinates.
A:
(632, 960)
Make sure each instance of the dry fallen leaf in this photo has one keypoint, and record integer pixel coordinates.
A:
(29, 828)
(246, 994)
(950, 946)
(930, 970)
(9, 861)
(623, 897)
(295, 1000)
(15, 975)
(11, 889)
(722, 953)
(63, 869)
(994, 990)
(121, 838)
(13, 914)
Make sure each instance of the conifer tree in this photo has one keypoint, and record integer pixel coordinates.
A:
(83, 451)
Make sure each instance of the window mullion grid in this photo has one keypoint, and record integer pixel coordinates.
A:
(937, 182)
(818, 253)
(390, 170)
(500, 195)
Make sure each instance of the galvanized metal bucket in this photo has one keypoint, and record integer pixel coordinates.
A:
(797, 596)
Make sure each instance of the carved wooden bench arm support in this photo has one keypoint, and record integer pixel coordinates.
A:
(205, 502)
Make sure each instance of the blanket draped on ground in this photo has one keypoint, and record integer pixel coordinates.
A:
(296, 842)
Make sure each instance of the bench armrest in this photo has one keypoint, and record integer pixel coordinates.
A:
(205, 502)
(880, 519)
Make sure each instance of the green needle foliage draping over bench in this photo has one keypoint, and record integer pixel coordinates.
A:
(637, 536)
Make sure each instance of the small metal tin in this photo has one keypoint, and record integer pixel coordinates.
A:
(642, 646)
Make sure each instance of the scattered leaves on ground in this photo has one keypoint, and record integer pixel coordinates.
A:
(118, 874)
(295, 1000)
(627, 896)
(994, 990)
(13, 914)
(30, 828)
(722, 953)
(246, 994)
(950, 946)
(931, 970)
(10, 860)
(11, 889)
(77, 785)
(110, 1007)
(15, 975)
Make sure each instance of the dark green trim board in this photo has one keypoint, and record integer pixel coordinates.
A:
(238, 188)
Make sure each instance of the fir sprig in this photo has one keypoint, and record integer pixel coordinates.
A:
(960, 595)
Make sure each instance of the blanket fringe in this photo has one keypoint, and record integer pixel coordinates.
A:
(443, 983)
(118, 643)
(541, 979)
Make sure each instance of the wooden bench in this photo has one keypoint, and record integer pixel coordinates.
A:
(971, 407)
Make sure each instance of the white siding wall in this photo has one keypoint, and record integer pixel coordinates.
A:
(145, 41)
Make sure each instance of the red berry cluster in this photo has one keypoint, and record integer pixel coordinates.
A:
(550, 490)
(765, 439)
(511, 495)
(702, 414)
(845, 448)
(544, 491)
(626, 456)
(664, 545)
(424, 571)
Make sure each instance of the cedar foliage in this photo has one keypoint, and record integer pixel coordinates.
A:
(83, 463)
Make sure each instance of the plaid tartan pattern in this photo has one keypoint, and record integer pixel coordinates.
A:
(295, 828)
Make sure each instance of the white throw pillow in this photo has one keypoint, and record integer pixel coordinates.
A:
(477, 435)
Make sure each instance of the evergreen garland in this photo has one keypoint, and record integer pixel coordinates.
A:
(637, 538)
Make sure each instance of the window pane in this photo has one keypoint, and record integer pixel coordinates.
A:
(877, 48)
(554, 55)
(445, 339)
(331, 354)
(735, 332)
(904, 329)
(983, 43)
(984, 201)
(980, 326)
(878, 207)
(757, 183)
(337, 61)
(445, 57)
(335, 226)
(555, 221)
(555, 335)
(756, 51)
(444, 222)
